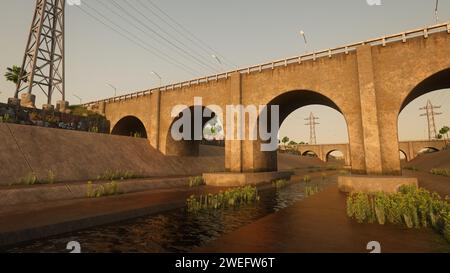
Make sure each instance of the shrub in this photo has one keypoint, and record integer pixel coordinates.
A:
(108, 189)
(411, 206)
(447, 227)
(280, 183)
(311, 190)
(230, 198)
(51, 177)
(117, 175)
(359, 206)
(29, 179)
(411, 168)
(196, 181)
(331, 168)
(33, 179)
(442, 172)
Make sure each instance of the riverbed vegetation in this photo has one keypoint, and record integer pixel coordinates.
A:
(280, 183)
(232, 198)
(310, 190)
(306, 178)
(117, 175)
(101, 190)
(33, 179)
(411, 168)
(412, 207)
(441, 172)
(196, 181)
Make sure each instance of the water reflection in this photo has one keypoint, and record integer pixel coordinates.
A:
(172, 231)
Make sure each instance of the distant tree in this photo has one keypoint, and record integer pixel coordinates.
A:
(292, 143)
(444, 131)
(303, 143)
(285, 140)
(439, 136)
(12, 74)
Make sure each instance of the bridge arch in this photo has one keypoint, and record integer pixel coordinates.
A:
(427, 149)
(289, 102)
(310, 153)
(129, 126)
(330, 152)
(188, 146)
(403, 155)
(436, 81)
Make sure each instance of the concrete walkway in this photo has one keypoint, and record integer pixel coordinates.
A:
(320, 224)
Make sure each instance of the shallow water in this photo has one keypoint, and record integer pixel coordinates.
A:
(171, 231)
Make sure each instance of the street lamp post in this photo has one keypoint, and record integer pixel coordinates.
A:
(302, 33)
(436, 14)
(159, 77)
(113, 87)
(79, 98)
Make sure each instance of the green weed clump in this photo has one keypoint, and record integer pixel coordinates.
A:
(117, 175)
(232, 198)
(29, 179)
(311, 190)
(280, 183)
(411, 206)
(196, 181)
(332, 168)
(306, 178)
(33, 179)
(411, 168)
(96, 191)
(441, 172)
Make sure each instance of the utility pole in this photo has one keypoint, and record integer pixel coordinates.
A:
(312, 128)
(430, 114)
(43, 61)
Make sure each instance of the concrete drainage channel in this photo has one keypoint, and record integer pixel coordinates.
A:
(69, 191)
(114, 213)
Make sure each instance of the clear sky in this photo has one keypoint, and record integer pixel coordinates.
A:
(242, 32)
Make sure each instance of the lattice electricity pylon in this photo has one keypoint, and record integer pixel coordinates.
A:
(43, 62)
(432, 132)
(312, 128)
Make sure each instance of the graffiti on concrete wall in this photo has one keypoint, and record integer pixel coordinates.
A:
(88, 122)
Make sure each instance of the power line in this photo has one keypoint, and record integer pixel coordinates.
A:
(208, 58)
(430, 114)
(196, 59)
(146, 46)
(312, 128)
(137, 37)
(198, 40)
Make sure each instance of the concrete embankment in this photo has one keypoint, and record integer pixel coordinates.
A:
(81, 156)
(426, 162)
(19, 195)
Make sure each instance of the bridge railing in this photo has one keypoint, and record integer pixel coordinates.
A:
(328, 53)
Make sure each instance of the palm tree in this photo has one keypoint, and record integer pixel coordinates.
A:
(285, 140)
(444, 131)
(12, 74)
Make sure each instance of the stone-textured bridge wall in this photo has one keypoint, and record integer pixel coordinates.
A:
(411, 149)
(369, 83)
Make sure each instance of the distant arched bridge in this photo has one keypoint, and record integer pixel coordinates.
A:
(410, 149)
